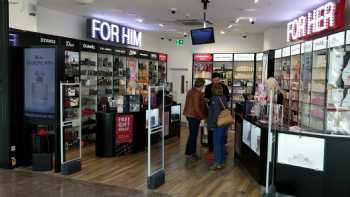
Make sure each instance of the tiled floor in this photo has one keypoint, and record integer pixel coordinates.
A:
(26, 184)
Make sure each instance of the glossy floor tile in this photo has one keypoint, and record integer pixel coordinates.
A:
(15, 183)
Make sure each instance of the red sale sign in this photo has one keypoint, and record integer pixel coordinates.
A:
(124, 129)
(202, 57)
(325, 18)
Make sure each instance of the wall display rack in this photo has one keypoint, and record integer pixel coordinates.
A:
(243, 76)
(105, 73)
(294, 84)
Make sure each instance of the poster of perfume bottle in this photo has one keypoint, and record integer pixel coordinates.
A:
(39, 83)
(301, 151)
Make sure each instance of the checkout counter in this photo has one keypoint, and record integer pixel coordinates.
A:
(307, 162)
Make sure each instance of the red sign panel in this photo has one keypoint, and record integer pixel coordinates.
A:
(325, 18)
(203, 57)
(163, 57)
(124, 128)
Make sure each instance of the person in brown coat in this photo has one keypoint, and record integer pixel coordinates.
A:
(194, 111)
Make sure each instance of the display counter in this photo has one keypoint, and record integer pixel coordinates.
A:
(122, 133)
(307, 161)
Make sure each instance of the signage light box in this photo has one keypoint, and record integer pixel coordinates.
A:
(110, 32)
(327, 17)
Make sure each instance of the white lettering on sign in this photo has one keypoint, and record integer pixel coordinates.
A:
(107, 31)
(105, 49)
(48, 41)
(69, 44)
(336, 40)
(321, 19)
(223, 57)
(89, 46)
(319, 44)
(131, 52)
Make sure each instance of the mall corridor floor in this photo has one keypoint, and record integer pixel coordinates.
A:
(26, 184)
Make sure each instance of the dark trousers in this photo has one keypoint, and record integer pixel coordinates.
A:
(219, 145)
(191, 146)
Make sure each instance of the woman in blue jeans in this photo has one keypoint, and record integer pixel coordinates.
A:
(217, 104)
(194, 112)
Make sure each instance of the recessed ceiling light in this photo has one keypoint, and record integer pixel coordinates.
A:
(140, 20)
(161, 25)
(230, 26)
(222, 32)
(250, 10)
(256, 1)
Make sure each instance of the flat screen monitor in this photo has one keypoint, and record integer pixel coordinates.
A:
(202, 36)
(39, 83)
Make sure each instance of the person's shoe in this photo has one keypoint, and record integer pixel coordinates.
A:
(216, 166)
(196, 157)
(193, 157)
(209, 156)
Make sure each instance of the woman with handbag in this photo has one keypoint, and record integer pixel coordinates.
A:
(194, 111)
(219, 119)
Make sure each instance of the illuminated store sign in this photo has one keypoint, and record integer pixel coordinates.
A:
(111, 32)
(327, 17)
(203, 57)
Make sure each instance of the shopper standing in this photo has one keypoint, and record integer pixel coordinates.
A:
(217, 104)
(194, 111)
(216, 80)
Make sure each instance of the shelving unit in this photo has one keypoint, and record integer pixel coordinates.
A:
(162, 68)
(88, 76)
(338, 81)
(278, 66)
(294, 84)
(318, 87)
(105, 73)
(71, 66)
(202, 67)
(285, 83)
(259, 68)
(243, 76)
(120, 74)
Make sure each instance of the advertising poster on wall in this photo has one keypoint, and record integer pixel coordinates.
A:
(309, 152)
(124, 129)
(39, 83)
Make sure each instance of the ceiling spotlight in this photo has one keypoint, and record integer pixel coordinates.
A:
(161, 25)
(230, 26)
(222, 32)
(237, 20)
(140, 20)
(256, 1)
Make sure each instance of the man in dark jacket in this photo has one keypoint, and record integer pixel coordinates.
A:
(216, 79)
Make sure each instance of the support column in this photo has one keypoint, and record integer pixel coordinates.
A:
(4, 86)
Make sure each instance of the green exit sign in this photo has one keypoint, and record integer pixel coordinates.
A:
(179, 42)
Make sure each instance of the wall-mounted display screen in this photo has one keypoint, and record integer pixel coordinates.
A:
(203, 36)
(39, 83)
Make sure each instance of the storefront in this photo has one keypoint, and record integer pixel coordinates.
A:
(66, 86)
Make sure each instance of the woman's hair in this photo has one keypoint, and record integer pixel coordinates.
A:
(217, 90)
(199, 82)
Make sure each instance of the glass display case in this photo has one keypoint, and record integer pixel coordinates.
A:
(318, 84)
(305, 84)
(202, 67)
(243, 76)
(294, 85)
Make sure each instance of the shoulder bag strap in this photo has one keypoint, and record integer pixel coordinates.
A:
(222, 104)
